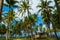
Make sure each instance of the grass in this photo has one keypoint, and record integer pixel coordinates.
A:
(29, 39)
(15, 39)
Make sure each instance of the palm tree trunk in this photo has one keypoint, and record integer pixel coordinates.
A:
(48, 25)
(55, 31)
(25, 35)
(8, 27)
(56, 34)
(8, 32)
(7, 35)
(31, 35)
(1, 4)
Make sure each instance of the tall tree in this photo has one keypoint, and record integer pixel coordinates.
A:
(8, 18)
(25, 7)
(45, 10)
(18, 27)
(31, 22)
(55, 24)
(10, 4)
(56, 21)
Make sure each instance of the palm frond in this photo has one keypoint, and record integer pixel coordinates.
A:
(51, 7)
(16, 6)
(6, 5)
(39, 10)
(49, 2)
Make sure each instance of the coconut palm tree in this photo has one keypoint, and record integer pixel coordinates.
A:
(57, 3)
(25, 7)
(55, 24)
(8, 18)
(31, 22)
(18, 27)
(28, 22)
(45, 10)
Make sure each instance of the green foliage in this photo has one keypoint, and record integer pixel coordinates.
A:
(11, 3)
(45, 10)
(26, 24)
(55, 19)
(10, 15)
(2, 29)
(25, 7)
